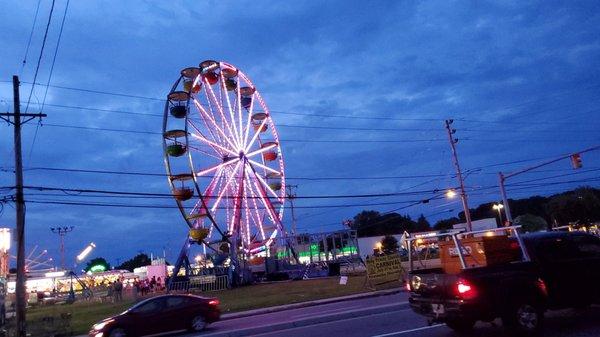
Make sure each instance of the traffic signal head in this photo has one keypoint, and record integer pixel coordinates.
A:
(576, 160)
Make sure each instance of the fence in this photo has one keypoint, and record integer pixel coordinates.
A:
(201, 283)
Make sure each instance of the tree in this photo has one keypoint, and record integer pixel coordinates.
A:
(389, 244)
(531, 223)
(581, 204)
(372, 223)
(446, 223)
(97, 264)
(422, 224)
(137, 261)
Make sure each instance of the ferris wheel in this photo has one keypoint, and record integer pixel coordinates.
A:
(223, 158)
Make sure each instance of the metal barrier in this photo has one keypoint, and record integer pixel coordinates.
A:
(201, 283)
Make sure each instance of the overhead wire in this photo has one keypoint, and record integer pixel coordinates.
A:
(62, 24)
(37, 68)
(37, 9)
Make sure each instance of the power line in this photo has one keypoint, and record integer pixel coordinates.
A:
(333, 140)
(37, 68)
(62, 24)
(73, 190)
(37, 9)
(344, 128)
(99, 204)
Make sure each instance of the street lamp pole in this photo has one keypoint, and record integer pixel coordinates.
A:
(62, 231)
(499, 207)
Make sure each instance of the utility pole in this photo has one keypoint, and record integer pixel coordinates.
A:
(62, 232)
(20, 203)
(463, 194)
(291, 195)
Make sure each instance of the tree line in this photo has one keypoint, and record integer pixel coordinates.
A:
(581, 205)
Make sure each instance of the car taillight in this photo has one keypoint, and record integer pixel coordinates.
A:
(542, 286)
(214, 302)
(465, 290)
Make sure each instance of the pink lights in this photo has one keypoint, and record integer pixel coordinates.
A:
(232, 155)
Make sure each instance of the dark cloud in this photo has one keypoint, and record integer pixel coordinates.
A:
(521, 81)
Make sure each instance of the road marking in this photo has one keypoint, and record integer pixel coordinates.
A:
(278, 332)
(408, 331)
(319, 313)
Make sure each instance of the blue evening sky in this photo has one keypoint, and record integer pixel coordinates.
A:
(358, 90)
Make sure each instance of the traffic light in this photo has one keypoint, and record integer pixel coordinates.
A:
(576, 160)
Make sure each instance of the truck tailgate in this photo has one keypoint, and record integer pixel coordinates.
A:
(432, 284)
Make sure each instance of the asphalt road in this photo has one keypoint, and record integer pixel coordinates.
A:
(384, 316)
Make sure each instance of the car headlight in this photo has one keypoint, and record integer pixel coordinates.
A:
(101, 325)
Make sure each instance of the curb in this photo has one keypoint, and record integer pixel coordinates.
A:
(269, 310)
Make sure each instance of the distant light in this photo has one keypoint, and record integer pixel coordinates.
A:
(498, 206)
(378, 245)
(4, 239)
(85, 252)
(489, 233)
(450, 194)
(55, 274)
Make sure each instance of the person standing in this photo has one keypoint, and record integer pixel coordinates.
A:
(136, 289)
(118, 290)
(111, 292)
(153, 284)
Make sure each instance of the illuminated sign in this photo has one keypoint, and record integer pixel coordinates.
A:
(98, 268)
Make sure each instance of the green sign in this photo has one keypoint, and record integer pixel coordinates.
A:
(98, 268)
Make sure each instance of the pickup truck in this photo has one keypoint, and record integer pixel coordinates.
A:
(555, 270)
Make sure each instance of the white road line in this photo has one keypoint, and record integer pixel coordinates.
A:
(320, 313)
(278, 332)
(408, 331)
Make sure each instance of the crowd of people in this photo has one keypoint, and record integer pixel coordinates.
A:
(138, 287)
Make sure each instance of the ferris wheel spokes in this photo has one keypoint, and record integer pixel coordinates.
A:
(222, 192)
(217, 166)
(211, 97)
(267, 168)
(203, 139)
(215, 125)
(225, 93)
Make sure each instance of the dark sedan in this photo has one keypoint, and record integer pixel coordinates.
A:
(159, 315)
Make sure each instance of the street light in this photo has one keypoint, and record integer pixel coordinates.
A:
(85, 252)
(450, 194)
(499, 207)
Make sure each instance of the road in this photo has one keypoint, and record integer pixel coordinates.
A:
(384, 316)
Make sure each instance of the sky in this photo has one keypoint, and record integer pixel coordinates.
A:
(358, 92)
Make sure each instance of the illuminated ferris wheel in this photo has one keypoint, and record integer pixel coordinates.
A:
(223, 157)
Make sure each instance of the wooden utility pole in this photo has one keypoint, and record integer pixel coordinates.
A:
(463, 194)
(20, 204)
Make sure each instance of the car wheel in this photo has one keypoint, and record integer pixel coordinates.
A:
(460, 325)
(525, 319)
(198, 323)
(118, 332)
